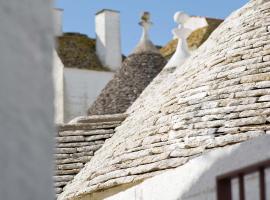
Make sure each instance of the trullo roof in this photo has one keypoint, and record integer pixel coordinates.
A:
(219, 97)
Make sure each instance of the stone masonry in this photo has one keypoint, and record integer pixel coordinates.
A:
(219, 97)
(78, 141)
(137, 72)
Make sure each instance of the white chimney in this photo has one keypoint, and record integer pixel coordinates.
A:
(108, 43)
(58, 18)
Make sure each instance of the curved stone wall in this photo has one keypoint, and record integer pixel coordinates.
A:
(219, 97)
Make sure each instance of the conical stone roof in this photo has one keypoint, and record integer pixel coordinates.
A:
(219, 97)
(137, 71)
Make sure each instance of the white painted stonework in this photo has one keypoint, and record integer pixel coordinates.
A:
(108, 41)
(26, 106)
(81, 87)
(181, 33)
(196, 180)
(58, 21)
(58, 77)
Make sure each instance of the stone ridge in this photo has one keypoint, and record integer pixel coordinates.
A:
(77, 143)
(219, 97)
(137, 72)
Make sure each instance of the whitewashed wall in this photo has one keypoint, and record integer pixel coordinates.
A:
(26, 105)
(81, 87)
(196, 180)
(58, 77)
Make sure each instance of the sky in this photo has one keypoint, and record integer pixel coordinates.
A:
(79, 16)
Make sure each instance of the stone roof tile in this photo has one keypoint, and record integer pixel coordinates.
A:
(136, 73)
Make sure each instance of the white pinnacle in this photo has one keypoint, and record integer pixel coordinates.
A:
(145, 44)
(181, 33)
(181, 17)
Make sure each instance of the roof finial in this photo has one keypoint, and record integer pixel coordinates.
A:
(145, 44)
(146, 24)
(181, 33)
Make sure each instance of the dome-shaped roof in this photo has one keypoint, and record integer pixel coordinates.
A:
(137, 71)
(219, 97)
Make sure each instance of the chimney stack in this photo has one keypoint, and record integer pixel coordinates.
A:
(108, 41)
(58, 19)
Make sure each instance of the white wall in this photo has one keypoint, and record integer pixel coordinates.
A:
(196, 180)
(108, 35)
(26, 105)
(81, 87)
(58, 77)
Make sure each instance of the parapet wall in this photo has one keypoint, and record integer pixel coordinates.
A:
(78, 141)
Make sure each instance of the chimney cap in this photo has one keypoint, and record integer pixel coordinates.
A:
(109, 10)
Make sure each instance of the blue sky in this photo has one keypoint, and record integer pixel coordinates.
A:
(79, 15)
